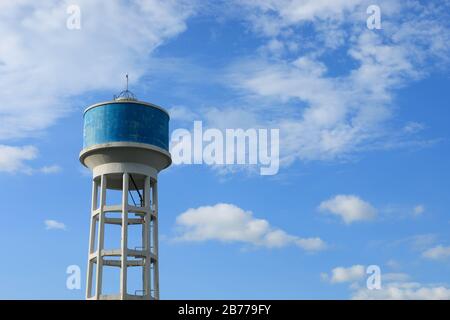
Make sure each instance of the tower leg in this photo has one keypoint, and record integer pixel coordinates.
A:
(101, 237)
(93, 223)
(155, 240)
(146, 240)
(124, 242)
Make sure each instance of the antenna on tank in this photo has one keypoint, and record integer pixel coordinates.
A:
(126, 94)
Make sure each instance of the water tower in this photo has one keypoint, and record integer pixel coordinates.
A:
(125, 144)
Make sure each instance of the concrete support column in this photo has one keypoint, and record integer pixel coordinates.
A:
(146, 279)
(155, 240)
(124, 242)
(93, 222)
(101, 238)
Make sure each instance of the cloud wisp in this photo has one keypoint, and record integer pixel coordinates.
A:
(13, 159)
(54, 225)
(16, 159)
(438, 252)
(349, 208)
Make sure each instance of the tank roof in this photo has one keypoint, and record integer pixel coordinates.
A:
(148, 104)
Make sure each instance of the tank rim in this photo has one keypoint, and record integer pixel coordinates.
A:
(123, 144)
(148, 104)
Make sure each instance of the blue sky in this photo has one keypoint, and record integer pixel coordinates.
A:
(364, 149)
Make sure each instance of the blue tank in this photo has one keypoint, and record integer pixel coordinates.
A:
(126, 121)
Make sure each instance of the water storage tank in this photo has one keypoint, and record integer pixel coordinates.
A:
(126, 131)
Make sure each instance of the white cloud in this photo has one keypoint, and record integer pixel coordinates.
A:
(311, 244)
(50, 169)
(404, 291)
(349, 207)
(413, 127)
(234, 117)
(13, 159)
(420, 241)
(182, 113)
(438, 252)
(419, 210)
(393, 285)
(350, 274)
(395, 276)
(229, 223)
(270, 17)
(393, 264)
(416, 243)
(54, 225)
(400, 212)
